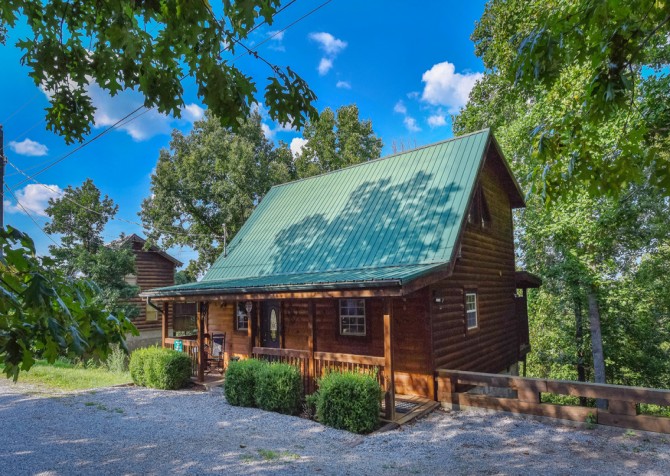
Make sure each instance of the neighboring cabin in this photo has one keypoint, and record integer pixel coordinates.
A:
(154, 268)
(404, 264)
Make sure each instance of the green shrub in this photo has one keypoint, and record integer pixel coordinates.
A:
(349, 401)
(240, 386)
(279, 388)
(156, 367)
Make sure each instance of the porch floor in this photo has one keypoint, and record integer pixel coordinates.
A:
(407, 409)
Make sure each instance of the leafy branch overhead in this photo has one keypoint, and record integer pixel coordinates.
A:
(150, 47)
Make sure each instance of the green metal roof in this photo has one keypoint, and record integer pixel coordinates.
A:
(387, 220)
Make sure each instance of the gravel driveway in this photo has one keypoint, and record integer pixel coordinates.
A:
(131, 430)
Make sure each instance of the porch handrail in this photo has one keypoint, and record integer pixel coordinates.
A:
(298, 354)
(350, 358)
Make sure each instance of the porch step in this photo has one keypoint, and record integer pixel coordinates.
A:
(407, 409)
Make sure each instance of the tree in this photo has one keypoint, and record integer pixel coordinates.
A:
(208, 183)
(593, 74)
(44, 313)
(150, 47)
(336, 141)
(80, 216)
(586, 233)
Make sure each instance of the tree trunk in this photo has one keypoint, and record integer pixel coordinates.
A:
(597, 344)
(579, 339)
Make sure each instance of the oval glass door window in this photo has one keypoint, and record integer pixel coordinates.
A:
(273, 324)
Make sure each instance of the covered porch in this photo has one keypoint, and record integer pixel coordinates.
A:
(307, 332)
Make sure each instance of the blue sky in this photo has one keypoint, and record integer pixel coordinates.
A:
(407, 68)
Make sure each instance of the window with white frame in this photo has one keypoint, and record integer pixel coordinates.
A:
(151, 313)
(471, 309)
(352, 317)
(242, 317)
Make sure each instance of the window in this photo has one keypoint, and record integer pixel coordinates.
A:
(471, 310)
(242, 316)
(151, 313)
(352, 317)
(130, 279)
(479, 215)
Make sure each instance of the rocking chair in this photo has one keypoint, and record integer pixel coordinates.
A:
(214, 350)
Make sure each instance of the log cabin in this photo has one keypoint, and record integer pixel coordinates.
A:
(153, 268)
(402, 265)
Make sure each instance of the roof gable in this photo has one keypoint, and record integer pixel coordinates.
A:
(134, 238)
(403, 210)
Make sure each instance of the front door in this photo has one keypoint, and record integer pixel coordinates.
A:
(270, 324)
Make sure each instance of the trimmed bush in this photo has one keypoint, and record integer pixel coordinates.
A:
(160, 368)
(349, 401)
(279, 388)
(240, 386)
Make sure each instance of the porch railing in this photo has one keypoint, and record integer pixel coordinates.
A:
(297, 358)
(189, 347)
(323, 362)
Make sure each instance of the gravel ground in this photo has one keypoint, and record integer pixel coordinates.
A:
(128, 430)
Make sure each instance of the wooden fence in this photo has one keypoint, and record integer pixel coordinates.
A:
(189, 347)
(453, 385)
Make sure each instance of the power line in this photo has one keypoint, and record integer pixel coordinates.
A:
(21, 108)
(84, 207)
(11, 192)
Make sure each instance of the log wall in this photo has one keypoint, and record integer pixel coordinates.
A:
(486, 265)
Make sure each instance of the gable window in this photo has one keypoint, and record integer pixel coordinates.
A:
(352, 317)
(479, 215)
(242, 316)
(471, 310)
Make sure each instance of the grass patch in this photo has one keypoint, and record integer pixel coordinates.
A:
(66, 376)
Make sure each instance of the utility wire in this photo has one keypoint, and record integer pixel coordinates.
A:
(84, 207)
(11, 192)
(21, 108)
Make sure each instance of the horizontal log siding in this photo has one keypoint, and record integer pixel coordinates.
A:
(153, 271)
(220, 320)
(487, 266)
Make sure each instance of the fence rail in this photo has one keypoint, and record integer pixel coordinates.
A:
(453, 387)
(190, 347)
(297, 358)
(326, 361)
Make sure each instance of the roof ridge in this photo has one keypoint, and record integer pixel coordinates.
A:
(396, 154)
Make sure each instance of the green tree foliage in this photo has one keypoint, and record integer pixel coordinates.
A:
(149, 47)
(335, 141)
(207, 184)
(595, 226)
(80, 216)
(593, 76)
(46, 314)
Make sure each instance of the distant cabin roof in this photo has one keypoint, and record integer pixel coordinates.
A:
(382, 222)
(138, 239)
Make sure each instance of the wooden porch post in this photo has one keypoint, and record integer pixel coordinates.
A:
(164, 323)
(201, 342)
(311, 377)
(250, 329)
(388, 359)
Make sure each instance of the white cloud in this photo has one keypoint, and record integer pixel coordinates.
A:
(297, 145)
(29, 147)
(410, 124)
(331, 47)
(109, 110)
(400, 107)
(445, 87)
(34, 198)
(328, 43)
(324, 66)
(413, 94)
(267, 132)
(276, 38)
(343, 85)
(192, 113)
(437, 120)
